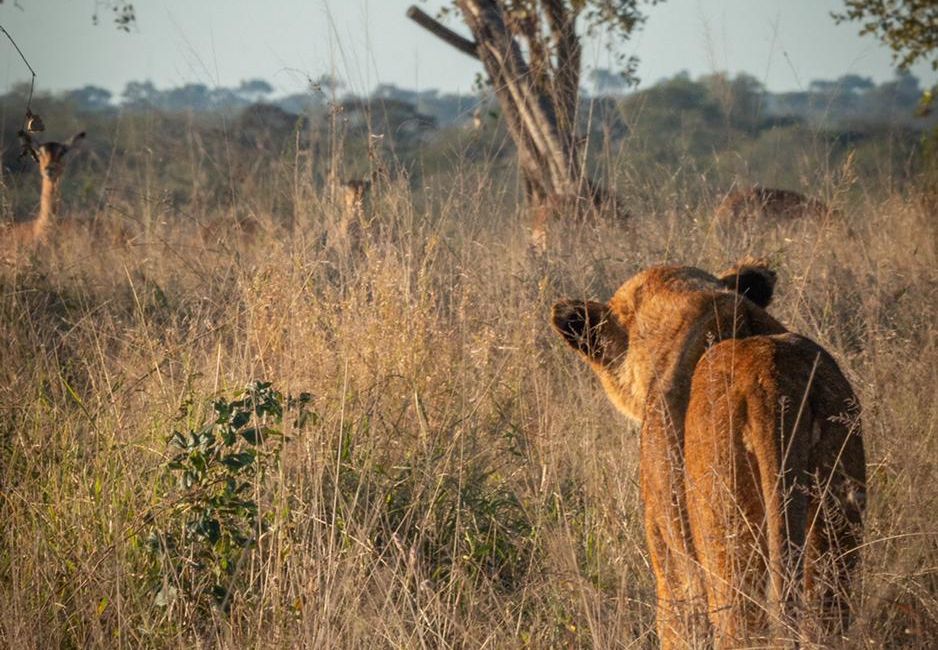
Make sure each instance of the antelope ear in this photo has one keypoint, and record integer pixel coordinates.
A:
(28, 144)
(588, 327)
(751, 278)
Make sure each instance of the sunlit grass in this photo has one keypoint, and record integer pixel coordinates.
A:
(464, 482)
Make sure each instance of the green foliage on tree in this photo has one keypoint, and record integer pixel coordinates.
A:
(122, 12)
(908, 27)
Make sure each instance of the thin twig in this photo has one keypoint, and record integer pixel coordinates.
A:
(32, 81)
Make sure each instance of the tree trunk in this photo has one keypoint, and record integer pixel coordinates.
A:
(540, 118)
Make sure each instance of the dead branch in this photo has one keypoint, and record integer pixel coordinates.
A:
(443, 32)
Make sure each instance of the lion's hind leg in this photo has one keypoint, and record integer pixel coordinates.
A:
(726, 503)
(745, 490)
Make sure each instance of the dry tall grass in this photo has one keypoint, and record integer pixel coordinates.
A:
(466, 483)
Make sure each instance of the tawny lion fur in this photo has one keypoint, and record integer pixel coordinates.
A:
(770, 203)
(751, 460)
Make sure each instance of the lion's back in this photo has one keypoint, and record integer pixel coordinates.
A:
(770, 203)
(775, 383)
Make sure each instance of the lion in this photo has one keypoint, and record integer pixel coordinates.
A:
(751, 457)
(770, 203)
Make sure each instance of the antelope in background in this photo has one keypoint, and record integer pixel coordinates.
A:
(352, 196)
(50, 157)
(348, 194)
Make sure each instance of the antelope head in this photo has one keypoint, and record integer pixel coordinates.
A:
(50, 156)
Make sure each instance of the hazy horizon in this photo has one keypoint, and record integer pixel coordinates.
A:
(364, 43)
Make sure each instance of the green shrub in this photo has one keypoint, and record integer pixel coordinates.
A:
(208, 519)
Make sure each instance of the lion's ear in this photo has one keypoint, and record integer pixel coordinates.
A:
(753, 279)
(588, 327)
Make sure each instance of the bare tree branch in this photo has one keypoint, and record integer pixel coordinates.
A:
(443, 32)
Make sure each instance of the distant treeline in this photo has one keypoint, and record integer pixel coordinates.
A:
(725, 129)
(848, 100)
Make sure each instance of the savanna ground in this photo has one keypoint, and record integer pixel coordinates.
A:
(458, 478)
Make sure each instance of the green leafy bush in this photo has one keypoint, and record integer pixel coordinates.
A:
(209, 519)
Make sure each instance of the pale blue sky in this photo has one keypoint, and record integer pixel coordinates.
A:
(784, 43)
